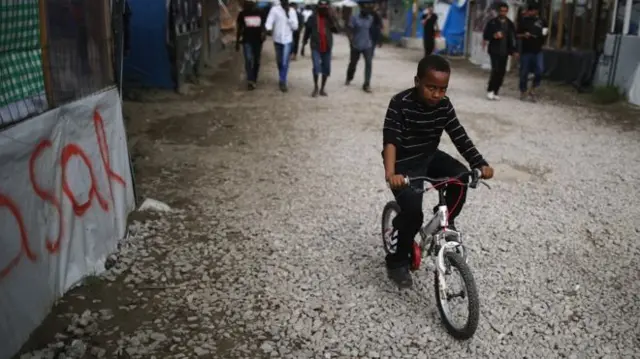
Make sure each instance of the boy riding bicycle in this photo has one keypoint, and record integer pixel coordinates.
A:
(413, 126)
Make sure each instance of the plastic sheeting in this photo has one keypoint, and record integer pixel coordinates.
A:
(451, 21)
(453, 29)
(634, 90)
(148, 63)
(65, 193)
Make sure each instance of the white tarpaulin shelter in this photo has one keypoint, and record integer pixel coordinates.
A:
(345, 3)
(65, 193)
(634, 90)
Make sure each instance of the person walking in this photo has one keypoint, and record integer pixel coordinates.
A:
(359, 34)
(319, 28)
(532, 32)
(430, 28)
(250, 36)
(500, 34)
(281, 22)
(296, 33)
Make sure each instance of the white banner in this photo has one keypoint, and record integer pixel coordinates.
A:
(65, 193)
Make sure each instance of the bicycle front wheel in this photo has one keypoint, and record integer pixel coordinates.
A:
(459, 307)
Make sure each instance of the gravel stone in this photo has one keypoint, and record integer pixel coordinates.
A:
(272, 247)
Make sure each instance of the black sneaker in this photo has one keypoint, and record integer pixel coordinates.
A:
(366, 88)
(283, 87)
(323, 93)
(314, 93)
(401, 276)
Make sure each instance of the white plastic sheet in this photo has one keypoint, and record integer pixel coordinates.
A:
(65, 193)
(634, 89)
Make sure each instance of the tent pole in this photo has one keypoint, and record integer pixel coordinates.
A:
(467, 33)
(627, 17)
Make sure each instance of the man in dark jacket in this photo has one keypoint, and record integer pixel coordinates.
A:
(532, 31)
(319, 29)
(500, 33)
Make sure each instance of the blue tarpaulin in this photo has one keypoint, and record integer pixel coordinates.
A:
(453, 30)
(148, 62)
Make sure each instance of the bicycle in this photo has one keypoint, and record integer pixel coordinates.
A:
(445, 249)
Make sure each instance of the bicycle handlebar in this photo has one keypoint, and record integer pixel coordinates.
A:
(475, 178)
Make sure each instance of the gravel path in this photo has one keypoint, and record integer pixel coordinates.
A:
(274, 249)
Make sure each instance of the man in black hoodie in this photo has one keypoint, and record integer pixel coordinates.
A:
(500, 33)
(320, 28)
(250, 35)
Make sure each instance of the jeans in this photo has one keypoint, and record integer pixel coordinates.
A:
(531, 63)
(252, 54)
(411, 218)
(353, 62)
(321, 62)
(283, 51)
(498, 70)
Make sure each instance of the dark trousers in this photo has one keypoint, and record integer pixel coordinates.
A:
(353, 63)
(498, 70)
(411, 218)
(530, 63)
(429, 44)
(252, 54)
(296, 41)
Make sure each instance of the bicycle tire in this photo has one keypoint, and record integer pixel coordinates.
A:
(386, 212)
(471, 326)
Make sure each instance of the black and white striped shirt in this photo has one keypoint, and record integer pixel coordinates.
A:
(415, 129)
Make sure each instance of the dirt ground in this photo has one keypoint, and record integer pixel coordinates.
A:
(170, 136)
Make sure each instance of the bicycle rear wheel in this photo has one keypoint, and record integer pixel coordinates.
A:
(389, 234)
(465, 328)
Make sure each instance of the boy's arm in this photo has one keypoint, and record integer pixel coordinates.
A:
(392, 136)
(461, 140)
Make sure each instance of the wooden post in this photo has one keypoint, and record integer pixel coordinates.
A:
(414, 17)
(206, 14)
(106, 48)
(560, 33)
(44, 47)
(550, 17)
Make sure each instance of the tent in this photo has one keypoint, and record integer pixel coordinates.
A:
(453, 29)
(345, 3)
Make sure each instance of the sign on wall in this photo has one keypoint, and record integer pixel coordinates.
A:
(65, 193)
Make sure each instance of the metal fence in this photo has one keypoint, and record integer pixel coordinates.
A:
(52, 52)
(21, 79)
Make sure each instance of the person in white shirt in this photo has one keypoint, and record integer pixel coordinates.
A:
(281, 24)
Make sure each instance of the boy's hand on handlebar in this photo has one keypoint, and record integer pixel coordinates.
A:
(396, 181)
(487, 172)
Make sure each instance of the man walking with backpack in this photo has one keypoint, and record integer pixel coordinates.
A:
(282, 21)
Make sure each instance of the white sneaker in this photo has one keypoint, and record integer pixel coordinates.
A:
(491, 95)
(496, 97)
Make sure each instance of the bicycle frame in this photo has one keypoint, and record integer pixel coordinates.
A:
(435, 232)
